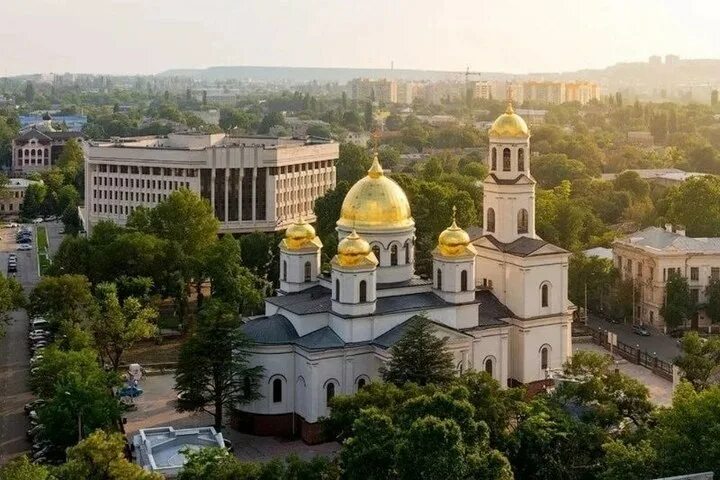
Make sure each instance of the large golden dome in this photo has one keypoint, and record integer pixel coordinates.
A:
(299, 234)
(352, 250)
(376, 203)
(509, 125)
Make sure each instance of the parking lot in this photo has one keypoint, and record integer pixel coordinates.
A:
(14, 355)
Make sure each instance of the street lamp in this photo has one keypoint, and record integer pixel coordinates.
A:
(79, 418)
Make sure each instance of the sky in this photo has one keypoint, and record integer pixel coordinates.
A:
(517, 36)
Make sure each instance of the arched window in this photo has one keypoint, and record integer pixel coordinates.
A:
(521, 159)
(20, 152)
(277, 391)
(361, 383)
(32, 152)
(363, 291)
(522, 221)
(393, 255)
(284, 271)
(337, 290)
(489, 366)
(494, 159)
(544, 355)
(329, 392)
(545, 294)
(308, 272)
(439, 279)
(407, 253)
(506, 160)
(490, 220)
(376, 251)
(463, 280)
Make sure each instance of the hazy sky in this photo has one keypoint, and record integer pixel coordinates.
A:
(149, 36)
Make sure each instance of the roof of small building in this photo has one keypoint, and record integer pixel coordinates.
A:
(600, 252)
(520, 179)
(660, 239)
(35, 133)
(275, 329)
(523, 246)
(491, 311)
(322, 339)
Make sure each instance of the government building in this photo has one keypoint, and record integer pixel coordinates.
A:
(500, 299)
(252, 183)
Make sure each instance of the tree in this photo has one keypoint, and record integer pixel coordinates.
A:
(419, 356)
(629, 462)
(29, 92)
(118, 326)
(631, 182)
(71, 159)
(213, 371)
(101, 456)
(696, 204)
(56, 363)
(699, 360)
(712, 303)
(34, 200)
(678, 305)
(272, 119)
(11, 298)
(67, 297)
(388, 156)
(230, 281)
(369, 453)
(21, 468)
(593, 275)
(353, 163)
(432, 449)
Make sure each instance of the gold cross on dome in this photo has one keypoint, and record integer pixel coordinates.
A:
(454, 211)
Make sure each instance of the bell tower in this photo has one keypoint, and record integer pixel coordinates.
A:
(509, 189)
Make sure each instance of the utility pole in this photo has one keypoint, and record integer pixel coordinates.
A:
(586, 304)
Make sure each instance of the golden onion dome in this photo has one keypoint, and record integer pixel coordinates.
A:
(352, 249)
(509, 125)
(453, 240)
(376, 202)
(299, 233)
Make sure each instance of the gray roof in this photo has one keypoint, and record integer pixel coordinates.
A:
(513, 181)
(490, 310)
(35, 133)
(523, 246)
(322, 339)
(313, 300)
(413, 282)
(661, 239)
(600, 252)
(389, 338)
(272, 330)
(413, 301)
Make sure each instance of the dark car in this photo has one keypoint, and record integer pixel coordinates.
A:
(641, 330)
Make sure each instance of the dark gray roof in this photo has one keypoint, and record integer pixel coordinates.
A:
(513, 181)
(322, 339)
(523, 246)
(490, 310)
(413, 282)
(474, 231)
(275, 329)
(413, 301)
(313, 300)
(35, 133)
(389, 338)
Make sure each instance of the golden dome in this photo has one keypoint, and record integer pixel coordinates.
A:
(298, 234)
(509, 125)
(376, 203)
(352, 249)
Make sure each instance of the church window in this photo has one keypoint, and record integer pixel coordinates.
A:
(308, 272)
(522, 220)
(521, 159)
(439, 279)
(376, 251)
(329, 392)
(490, 220)
(284, 271)
(363, 291)
(544, 354)
(277, 390)
(407, 253)
(393, 255)
(337, 290)
(545, 294)
(506, 160)
(463, 280)
(361, 383)
(494, 159)
(489, 366)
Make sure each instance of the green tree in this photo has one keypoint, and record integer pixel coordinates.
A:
(71, 159)
(629, 462)
(29, 92)
(101, 456)
(678, 306)
(353, 163)
(369, 453)
(217, 464)
(56, 363)
(593, 275)
(712, 303)
(551, 169)
(230, 281)
(11, 298)
(213, 371)
(118, 326)
(21, 468)
(696, 204)
(34, 200)
(67, 297)
(419, 356)
(272, 119)
(431, 449)
(699, 360)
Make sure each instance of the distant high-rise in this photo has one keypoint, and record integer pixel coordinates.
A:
(671, 59)
(655, 60)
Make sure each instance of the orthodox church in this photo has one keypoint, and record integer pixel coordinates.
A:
(500, 299)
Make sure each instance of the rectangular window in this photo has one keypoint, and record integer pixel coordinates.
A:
(715, 273)
(220, 194)
(233, 192)
(260, 194)
(695, 295)
(694, 273)
(205, 183)
(247, 199)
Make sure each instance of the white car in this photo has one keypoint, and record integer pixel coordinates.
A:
(24, 246)
(38, 220)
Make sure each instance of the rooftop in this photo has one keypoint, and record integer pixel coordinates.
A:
(659, 239)
(160, 449)
(198, 141)
(672, 174)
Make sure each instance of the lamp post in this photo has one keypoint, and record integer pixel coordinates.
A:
(79, 418)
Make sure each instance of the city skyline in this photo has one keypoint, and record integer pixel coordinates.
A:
(134, 37)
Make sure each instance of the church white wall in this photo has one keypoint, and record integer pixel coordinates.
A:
(526, 343)
(383, 242)
(292, 270)
(277, 362)
(507, 201)
(491, 344)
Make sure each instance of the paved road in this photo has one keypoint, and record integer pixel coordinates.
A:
(664, 346)
(15, 356)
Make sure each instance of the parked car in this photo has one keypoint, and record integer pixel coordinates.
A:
(641, 330)
(34, 431)
(38, 323)
(24, 240)
(25, 246)
(38, 402)
(38, 220)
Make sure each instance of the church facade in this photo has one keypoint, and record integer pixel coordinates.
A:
(500, 299)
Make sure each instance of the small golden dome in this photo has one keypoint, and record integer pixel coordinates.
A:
(376, 203)
(298, 234)
(453, 240)
(509, 125)
(352, 249)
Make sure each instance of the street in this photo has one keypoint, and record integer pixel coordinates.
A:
(664, 346)
(15, 355)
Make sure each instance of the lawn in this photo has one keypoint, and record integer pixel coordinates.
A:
(42, 246)
(42, 238)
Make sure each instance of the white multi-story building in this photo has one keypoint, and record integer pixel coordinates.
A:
(252, 183)
(649, 257)
(500, 299)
